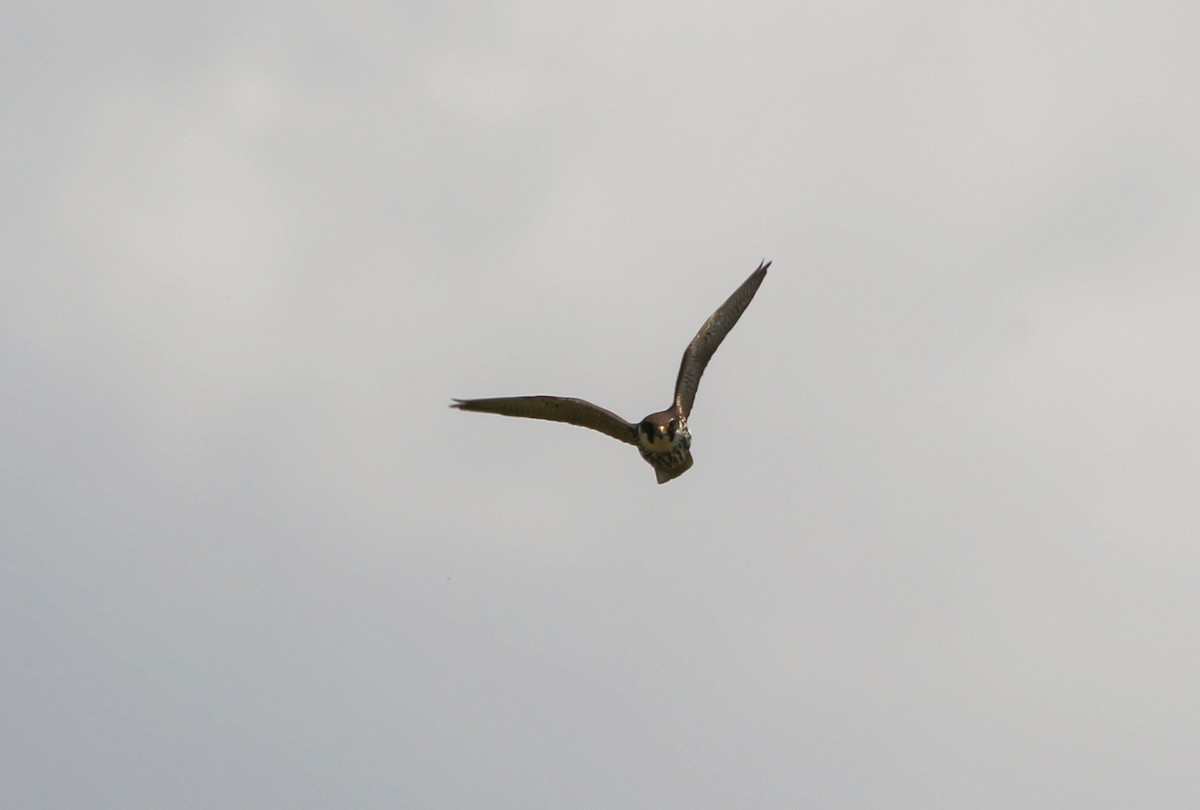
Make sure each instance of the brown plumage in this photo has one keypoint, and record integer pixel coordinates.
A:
(663, 437)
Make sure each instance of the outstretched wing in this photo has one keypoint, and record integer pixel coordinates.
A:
(706, 341)
(556, 409)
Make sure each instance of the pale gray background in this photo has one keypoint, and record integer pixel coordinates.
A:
(941, 544)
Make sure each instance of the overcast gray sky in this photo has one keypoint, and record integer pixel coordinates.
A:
(941, 543)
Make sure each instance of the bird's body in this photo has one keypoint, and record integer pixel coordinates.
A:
(662, 438)
(666, 443)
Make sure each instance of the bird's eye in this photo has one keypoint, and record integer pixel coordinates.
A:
(672, 428)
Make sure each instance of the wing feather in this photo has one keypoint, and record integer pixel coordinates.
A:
(556, 409)
(706, 341)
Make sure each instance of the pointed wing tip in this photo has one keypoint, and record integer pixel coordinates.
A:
(763, 265)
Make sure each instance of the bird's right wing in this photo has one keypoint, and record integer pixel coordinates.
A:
(556, 409)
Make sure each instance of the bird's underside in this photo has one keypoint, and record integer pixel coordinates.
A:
(662, 438)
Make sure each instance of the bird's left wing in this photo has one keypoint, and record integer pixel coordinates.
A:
(706, 341)
(556, 409)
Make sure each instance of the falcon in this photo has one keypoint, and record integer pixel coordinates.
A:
(662, 438)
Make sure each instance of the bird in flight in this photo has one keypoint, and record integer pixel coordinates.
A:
(662, 438)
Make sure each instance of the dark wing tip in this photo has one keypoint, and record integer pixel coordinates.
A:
(762, 266)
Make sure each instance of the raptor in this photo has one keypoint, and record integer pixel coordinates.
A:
(662, 438)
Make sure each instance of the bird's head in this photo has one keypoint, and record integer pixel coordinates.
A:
(662, 432)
